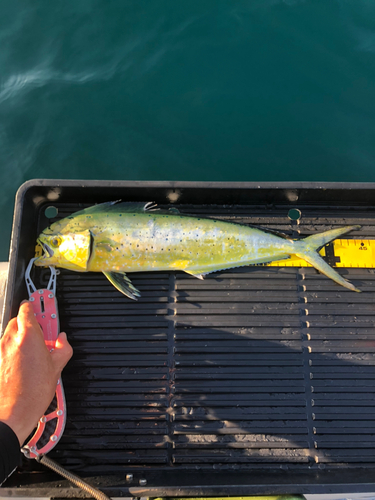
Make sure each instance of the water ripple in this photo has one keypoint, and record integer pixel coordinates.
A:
(23, 82)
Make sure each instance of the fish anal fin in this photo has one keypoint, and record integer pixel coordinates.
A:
(123, 284)
(201, 273)
(197, 274)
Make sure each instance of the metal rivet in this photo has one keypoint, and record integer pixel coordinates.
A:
(59, 412)
(40, 292)
(53, 316)
(129, 477)
(43, 420)
(50, 295)
(53, 438)
(142, 482)
(31, 299)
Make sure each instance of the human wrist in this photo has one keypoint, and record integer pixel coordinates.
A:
(18, 429)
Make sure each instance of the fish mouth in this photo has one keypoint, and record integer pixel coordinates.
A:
(48, 252)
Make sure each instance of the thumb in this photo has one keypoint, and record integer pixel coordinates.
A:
(62, 353)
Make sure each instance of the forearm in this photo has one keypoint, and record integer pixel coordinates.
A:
(28, 378)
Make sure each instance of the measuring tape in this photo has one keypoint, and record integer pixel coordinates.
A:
(338, 253)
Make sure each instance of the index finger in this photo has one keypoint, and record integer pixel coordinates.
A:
(26, 318)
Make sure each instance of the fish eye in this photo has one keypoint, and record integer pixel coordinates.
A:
(56, 242)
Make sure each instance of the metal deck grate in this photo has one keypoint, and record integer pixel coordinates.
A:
(253, 367)
(255, 370)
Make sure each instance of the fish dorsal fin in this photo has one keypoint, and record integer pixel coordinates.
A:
(122, 207)
(117, 207)
(123, 284)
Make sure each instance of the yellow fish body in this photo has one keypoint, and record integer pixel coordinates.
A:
(115, 238)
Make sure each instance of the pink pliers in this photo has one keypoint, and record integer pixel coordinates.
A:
(51, 425)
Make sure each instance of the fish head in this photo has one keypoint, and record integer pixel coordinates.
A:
(70, 250)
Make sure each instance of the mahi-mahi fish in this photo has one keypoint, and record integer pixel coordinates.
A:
(115, 238)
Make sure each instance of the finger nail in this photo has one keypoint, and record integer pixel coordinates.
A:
(24, 302)
(62, 337)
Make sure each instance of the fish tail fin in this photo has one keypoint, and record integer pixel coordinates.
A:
(308, 248)
(317, 241)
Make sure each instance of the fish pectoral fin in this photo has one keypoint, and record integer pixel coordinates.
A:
(105, 244)
(123, 284)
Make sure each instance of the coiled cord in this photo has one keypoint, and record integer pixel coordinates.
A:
(99, 495)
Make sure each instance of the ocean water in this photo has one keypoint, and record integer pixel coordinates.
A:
(242, 90)
(225, 90)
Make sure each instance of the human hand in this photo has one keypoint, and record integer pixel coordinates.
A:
(28, 372)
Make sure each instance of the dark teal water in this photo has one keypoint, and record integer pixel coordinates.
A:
(255, 90)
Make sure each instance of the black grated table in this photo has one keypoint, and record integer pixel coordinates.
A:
(256, 380)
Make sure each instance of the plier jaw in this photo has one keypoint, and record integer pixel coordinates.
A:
(31, 288)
